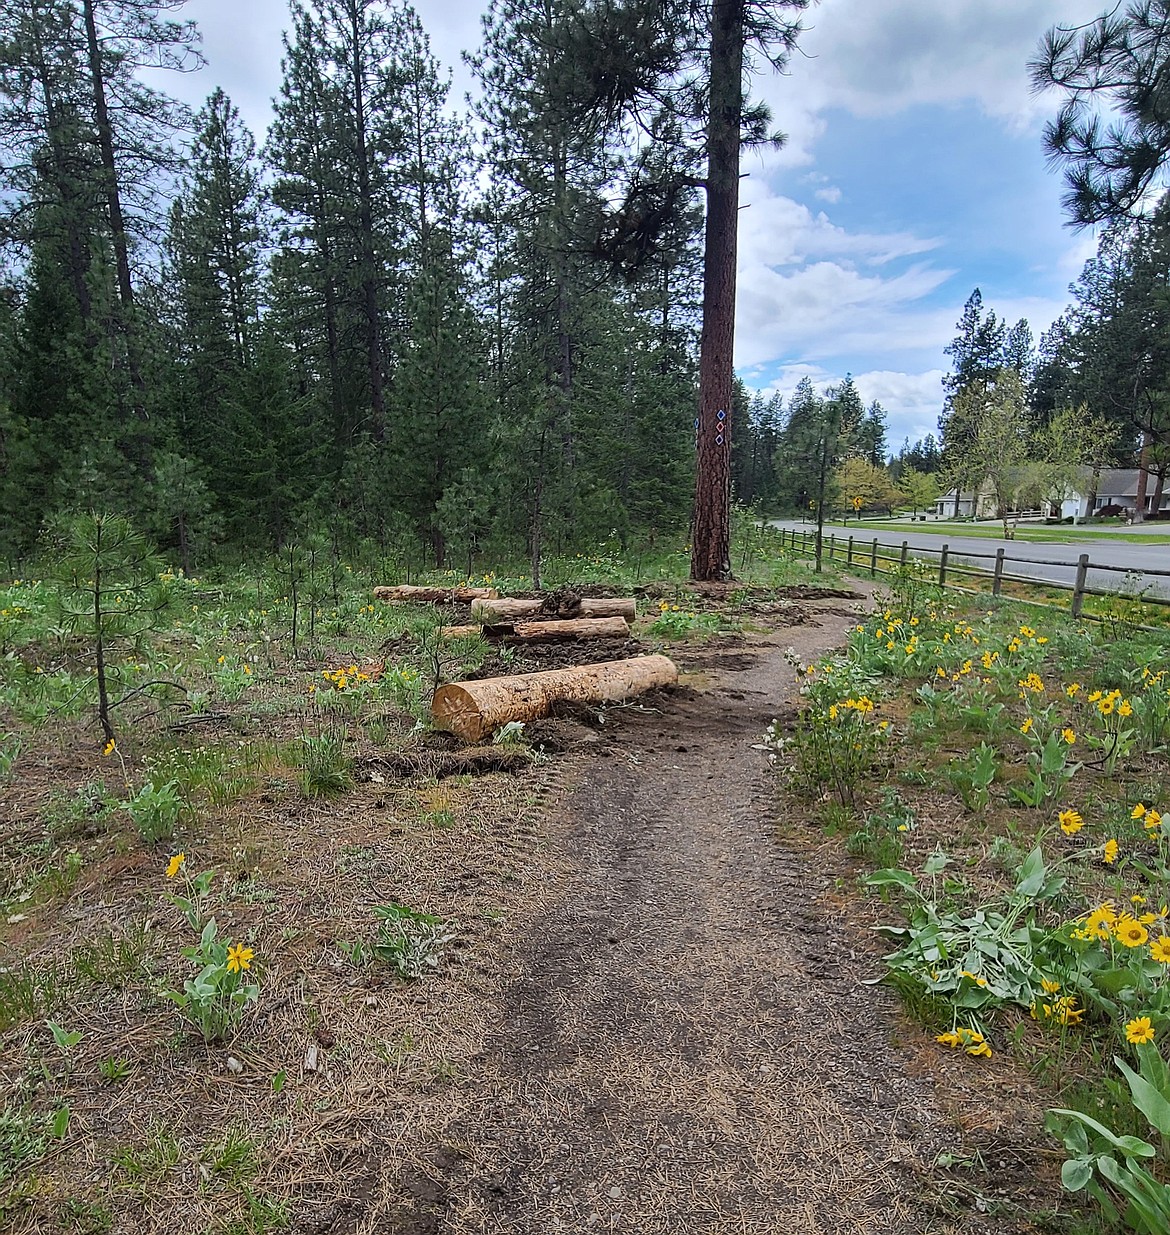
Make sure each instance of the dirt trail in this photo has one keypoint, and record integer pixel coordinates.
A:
(686, 1046)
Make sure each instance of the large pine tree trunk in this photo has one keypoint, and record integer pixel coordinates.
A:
(105, 136)
(374, 351)
(711, 524)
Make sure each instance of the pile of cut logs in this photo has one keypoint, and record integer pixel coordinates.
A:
(474, 710)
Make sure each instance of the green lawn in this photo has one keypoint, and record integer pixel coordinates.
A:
(1061, 533)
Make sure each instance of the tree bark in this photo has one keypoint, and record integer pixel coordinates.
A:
(577, 628)
(105, 135)
(475, 709)
(505, 609)
(1139, 502)
(374, 351)
(711, 524)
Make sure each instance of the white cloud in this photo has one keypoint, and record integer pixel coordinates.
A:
(880, 59)
(832, 195)
(781, 232)
(826, 309)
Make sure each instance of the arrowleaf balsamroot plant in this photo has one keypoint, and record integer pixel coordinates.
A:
(1054, 741)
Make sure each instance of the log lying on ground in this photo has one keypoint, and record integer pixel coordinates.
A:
(577, 628)
(545, 632)
(505, 609)
(475, 709)
(406, 594)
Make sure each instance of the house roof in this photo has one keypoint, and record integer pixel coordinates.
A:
(1120, 482)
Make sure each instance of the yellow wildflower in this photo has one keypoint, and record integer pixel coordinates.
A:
(1160, 950)
(1130, 932)
(109, 747)
(1099, 924)
(1026, 727)
(1110, 853)
(1152, 820)
(1139, 1031)
(174, 865)
(1069, 735)
(239, 958)
(1070, 822)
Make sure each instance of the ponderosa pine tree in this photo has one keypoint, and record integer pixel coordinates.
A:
(1112, 133)
(628, 59)
(332, 144)
(87, 145)
(213, 272)
(549, 174)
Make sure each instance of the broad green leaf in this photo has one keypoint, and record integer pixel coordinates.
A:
(1152, 1104)
(935, 863)
(1131, 1146)
(891, 875)
(1032, 874)
(1075, 1174)
(1114, 981)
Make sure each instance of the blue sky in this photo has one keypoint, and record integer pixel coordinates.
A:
(913, 173)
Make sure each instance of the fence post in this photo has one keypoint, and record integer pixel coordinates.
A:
(849, 552)
(873, 560)
(997, 578)
(1078, 597)
(905, 550)
(942, 566)
(832, 545)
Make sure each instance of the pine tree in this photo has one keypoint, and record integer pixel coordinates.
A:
(647, 57)
(1112, 132)
(333, 141)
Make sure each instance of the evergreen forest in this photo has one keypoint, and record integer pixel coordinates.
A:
(426, 330)
(384, 318)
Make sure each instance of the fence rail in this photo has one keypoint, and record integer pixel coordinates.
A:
(871, 554)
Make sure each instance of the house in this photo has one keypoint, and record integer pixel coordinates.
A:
(981, 507)
(1116, 487)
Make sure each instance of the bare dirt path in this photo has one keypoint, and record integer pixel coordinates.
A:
(685, 1045)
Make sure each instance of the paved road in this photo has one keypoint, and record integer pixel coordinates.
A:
(1127, 551)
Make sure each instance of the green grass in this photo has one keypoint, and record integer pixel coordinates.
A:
(1039, 533)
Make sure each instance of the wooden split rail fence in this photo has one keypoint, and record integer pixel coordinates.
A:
(878, 558)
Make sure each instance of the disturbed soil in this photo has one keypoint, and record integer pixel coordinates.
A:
(685, 1040)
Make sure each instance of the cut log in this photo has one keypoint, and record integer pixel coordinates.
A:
(460, 632)
(406, 594)
(505, 609)
(604, 607)
(475, 709)
(577, 628)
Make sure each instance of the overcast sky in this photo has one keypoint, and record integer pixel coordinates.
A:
(913, 173)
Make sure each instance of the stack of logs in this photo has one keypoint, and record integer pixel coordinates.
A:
(498, 617)
(474, 710)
